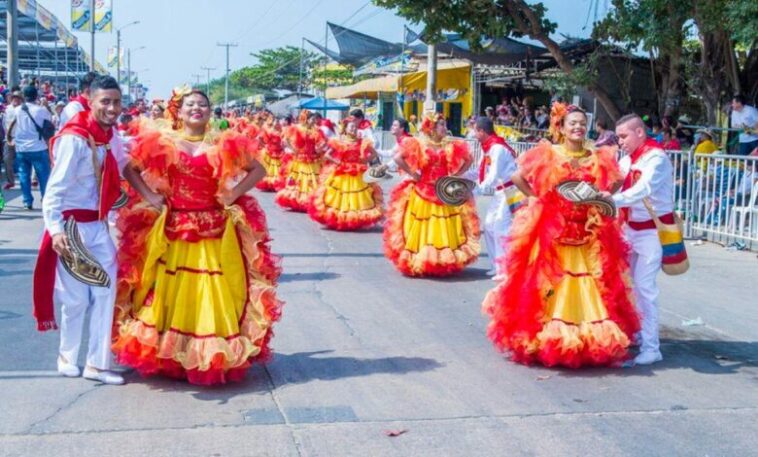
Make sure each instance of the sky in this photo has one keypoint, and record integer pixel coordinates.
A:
(181, 36)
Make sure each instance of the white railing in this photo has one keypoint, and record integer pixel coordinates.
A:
(717, 196)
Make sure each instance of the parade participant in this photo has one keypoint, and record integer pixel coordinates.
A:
(83, 186)
(422, 235)
(80, 102)
(196, 296)
(363, 125)
(399, 130)
(495, 170)
(219, 122)
(648, 175)
(157, 110)
(271, 155)
(343, 200)
(565, 299)
(303, 167)
(326, 126)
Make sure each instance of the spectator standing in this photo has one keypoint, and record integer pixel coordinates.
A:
(745, 118)
(31, 146)
(670, 143)
(10, 146)
(605, 136)
(78, 103)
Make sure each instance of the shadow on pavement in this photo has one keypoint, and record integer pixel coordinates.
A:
(467, 275)
(315, 276)
(302, 367)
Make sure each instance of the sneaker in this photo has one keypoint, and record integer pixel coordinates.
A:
(67, 369)
(28, 206)
(499, 278)
(647, 358)
(491, 272)
(104, 376)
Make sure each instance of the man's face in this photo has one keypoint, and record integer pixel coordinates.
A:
(106, 106)
(737, 106)
(395, 129)
(630, 136)
(481, 135)
(141, 106)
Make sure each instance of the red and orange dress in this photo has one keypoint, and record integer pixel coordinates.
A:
(343, 200)
(422, 235)
(271, 156)
(196, 284)
(302, 167)
(567, 299)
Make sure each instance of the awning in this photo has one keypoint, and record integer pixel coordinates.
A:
(321, 104)
(368, 88)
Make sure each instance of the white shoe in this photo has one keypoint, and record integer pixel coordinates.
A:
(648, 358)
(106, 377)
(67, 369)
(499, 278)
(491, 272)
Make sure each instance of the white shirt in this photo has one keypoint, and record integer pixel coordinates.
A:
(24, 133)
(656, 182)
(368, 132)
(72, 183)
(747, 118)
(500, 169)
(71, 110)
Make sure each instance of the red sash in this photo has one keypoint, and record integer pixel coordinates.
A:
(634, 175)
(85, 126)
(486, 146)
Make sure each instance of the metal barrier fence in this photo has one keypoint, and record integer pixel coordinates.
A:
(716, 194)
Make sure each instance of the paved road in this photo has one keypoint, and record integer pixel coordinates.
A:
(362, 351)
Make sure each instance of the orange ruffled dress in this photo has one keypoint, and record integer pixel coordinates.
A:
(270, 157)
(302, 168)
(196, 284)
(343, 200)
(567, 298)
(422, 235)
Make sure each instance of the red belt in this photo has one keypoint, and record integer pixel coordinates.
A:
(667, 218)
(44, 272)
(504, 186)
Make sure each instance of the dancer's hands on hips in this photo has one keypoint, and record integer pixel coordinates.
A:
(155, 200)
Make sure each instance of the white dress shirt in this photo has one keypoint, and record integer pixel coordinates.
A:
(499, 171)
(655, 183)
(72, 183)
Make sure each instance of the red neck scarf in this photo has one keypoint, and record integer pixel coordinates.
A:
(82, 101)
(486, 146)
(634, 175)
(364, 124)
(84, 126)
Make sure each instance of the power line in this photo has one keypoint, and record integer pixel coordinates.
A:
(226, 82)
(208, 80)
(316, 5)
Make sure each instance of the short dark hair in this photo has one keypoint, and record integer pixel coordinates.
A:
(104, 82)
(403, 124)
(602, 124)
(86, 80)
(628, 117)
(739, 98)
(30, 93)
(218, 111)
(357, 113)
(486, 124)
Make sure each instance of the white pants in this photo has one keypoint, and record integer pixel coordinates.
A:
(645, 263)
(497, 224)
(76, 298)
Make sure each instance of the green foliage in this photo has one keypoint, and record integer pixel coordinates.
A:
(275, 69)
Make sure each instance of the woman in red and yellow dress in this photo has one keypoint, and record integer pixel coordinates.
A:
(271, 156)
(422, 235)
(196, 285)
(303, 167)
(343, 200)
(566, 299)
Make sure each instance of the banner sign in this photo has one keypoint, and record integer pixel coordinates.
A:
(81, 19)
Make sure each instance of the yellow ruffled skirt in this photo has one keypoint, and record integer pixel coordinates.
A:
(273, 180)
(301, 181)
(346, 202)
(428, 238)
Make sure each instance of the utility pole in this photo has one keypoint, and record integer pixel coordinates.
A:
(430, 105)
(12, 34)
(92, 43)
(300, 81)
(197, 80)
(118, 50)
(226, 79)
(208, 79)
(129, 73)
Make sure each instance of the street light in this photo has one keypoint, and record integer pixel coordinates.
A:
(129, 69)
(118, 49)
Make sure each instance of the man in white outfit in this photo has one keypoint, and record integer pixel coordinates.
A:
(399, 130)
(497, 166)
(648, 175)
(84, 184)
(80, 102)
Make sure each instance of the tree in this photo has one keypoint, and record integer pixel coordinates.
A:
(276, 69)
(476, 18)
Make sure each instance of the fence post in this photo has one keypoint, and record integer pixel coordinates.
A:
(689, 192)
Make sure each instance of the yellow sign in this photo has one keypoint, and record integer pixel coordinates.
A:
(81, 15)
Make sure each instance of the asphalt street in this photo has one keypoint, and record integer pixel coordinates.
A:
(363, 353)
